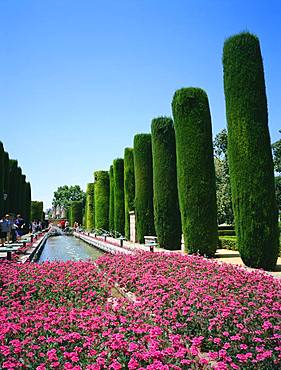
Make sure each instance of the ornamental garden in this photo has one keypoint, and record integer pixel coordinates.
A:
(163, 311)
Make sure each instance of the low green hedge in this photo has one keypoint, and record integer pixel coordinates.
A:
(227, 242)
(226, 232)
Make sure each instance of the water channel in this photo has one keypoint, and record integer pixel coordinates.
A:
(66, 248)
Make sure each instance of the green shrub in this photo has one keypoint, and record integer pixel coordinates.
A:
(101, 200)
(36, 212)
(195, 170)
(226, 232)
(13, 182)
(111, 199)
(166, 206)
(249, 152)
(76, 212)
(228, 242)
(27, 202)
(143, 186)
(90, 207)
(119, 207)
(6, 182)
(2, 177)
(129, 187)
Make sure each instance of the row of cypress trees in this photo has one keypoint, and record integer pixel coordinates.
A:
(168, 178)
(15, 191)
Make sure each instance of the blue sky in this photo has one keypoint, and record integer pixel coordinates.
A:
(79, 78)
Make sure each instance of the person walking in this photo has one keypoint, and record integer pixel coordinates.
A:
(5, 229)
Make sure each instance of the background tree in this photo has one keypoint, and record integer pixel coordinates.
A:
(64, 195)
(223, 188)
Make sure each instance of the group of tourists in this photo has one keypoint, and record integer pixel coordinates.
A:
(12, 228)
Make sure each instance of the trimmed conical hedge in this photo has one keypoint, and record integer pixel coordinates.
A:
(111, 199)
(2, 177)
(6, 182)
(119, 210)
(101, 200)
(129, 187)
(76, 212)
(13, 165)
(143, 186)
(195, 170)
(249, 152)
(166, 206)
(36, 212)
(89, 211)
(27, 201)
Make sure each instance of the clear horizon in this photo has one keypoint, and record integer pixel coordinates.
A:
(80, 78)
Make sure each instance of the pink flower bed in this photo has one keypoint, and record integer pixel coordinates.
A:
(189, 313)
(229, 314)
(63, 315)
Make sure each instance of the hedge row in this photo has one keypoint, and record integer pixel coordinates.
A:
(14, 186)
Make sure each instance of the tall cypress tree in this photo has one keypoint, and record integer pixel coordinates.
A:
(76, 212)
(13, 165)
(195, 170)
(36, 212)
(129, 187)
(249, 152)
(2, 179)
(111, 199)
(143, 186)
(119, 209)
(166, 206)
(27, 202)
(18, 193)
(6, 183)
(102, 199)
(90, 193)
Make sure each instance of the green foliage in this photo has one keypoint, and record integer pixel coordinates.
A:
(65, 195)
(129, 187)
(76, 212)
(2, 177)
(278, 191)
(223, 191)
(143, 186)
(13, 186)
(90, 207)
(276, 148)
(228, 242)
(195, 170)
(111, 199)
(226, 232)
(119, 210)
(36, 210)
(101, 200)
(249, 152)
(223, 187)
(166, 207)
(27, 201)
(6, 182)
